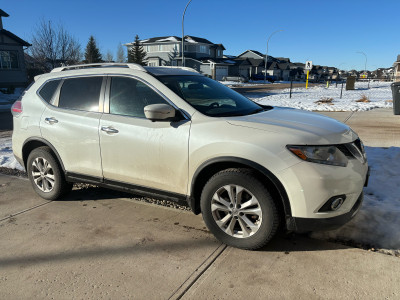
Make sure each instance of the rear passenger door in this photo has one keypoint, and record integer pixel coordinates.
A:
(70, 123)
(135, 150)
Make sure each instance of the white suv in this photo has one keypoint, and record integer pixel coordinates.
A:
(171, 133)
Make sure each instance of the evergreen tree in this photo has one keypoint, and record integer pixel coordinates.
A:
(136, 53)
(92, 53)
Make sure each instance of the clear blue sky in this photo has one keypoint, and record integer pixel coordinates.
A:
(326, 32)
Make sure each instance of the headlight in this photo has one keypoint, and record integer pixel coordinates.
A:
(327, 155)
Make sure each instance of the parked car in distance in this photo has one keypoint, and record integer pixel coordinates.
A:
(235, 78)
(260, 76)
(172, 133)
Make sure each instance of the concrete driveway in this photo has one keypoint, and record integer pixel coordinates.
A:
(110, 246)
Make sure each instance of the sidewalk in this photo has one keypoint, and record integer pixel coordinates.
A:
(376, 128)
(120, 248)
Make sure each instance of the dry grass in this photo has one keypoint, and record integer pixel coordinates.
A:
(324, 100)
(363, 98)
(391, 101)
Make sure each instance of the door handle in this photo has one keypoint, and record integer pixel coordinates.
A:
(109, 129)
(51, 120)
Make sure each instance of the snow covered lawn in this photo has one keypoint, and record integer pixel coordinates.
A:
(378, 222)
(379, 95)
(7, 100)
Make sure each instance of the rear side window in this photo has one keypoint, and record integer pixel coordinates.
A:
(81, 93)
(128, 97)
(48, 90)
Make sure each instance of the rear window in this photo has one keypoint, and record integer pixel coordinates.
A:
(48, 90)
(81, 93)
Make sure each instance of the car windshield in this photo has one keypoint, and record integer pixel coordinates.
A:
(209, 96)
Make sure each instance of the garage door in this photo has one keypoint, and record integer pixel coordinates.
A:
(220, 72)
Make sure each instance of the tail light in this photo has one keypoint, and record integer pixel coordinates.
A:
(16, 108)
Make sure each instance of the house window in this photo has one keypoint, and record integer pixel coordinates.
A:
(219, 52)
(9, 60)
(203, 49)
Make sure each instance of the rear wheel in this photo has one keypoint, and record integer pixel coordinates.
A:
(46, 175)
(238, 209)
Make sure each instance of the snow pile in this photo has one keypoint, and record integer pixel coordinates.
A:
(378, 222)
(7, 159)
(7, 100)
(379, 94)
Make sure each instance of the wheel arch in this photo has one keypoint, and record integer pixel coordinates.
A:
(212, 166)
(35, 142)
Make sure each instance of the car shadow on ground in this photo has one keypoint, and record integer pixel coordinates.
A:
(295, 242)
(86, 192)
(283, 242)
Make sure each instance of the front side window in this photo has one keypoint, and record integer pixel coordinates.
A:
(81, 93)
(209, 96)
(9, 59)
(129, 96)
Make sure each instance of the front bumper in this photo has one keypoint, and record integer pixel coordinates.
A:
(314, 224)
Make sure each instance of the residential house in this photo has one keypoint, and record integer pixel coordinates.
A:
(12, 63)
(200, 54)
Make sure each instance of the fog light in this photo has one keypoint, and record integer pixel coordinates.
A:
(333, 204)
(337, 203)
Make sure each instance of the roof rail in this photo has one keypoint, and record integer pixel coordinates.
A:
(99, 65)
(179, 67)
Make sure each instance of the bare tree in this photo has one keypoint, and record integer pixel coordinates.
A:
(53, 46)
(109, 56)
(121, 57)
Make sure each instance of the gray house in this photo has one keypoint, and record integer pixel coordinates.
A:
(200, 54)
(12, 63)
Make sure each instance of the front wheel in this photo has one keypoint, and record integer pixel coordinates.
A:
(238, 209)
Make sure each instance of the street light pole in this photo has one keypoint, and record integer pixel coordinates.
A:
(183, 35)
(266, 56)
(365, 65)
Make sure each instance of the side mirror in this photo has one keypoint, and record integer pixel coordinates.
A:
(159, 112)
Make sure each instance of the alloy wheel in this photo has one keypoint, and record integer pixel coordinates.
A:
(236, 211)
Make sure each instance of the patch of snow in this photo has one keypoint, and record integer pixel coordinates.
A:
(379, 95)
(378, 221)
(190, 40)
(7, 159)
(7, 100)
(168, 39)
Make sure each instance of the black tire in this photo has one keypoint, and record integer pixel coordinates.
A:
(267, 224)
(60, 186)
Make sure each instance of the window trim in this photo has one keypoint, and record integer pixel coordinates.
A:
(56, 96)
(55, 92)
(106, 105)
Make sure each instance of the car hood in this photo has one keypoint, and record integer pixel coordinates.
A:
(308, 127)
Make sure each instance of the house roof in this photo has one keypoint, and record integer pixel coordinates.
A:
(173, 38)
(3, 13)
(254, 51)
(14, 37)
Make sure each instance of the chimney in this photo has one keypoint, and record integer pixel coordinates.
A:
(2, 14)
